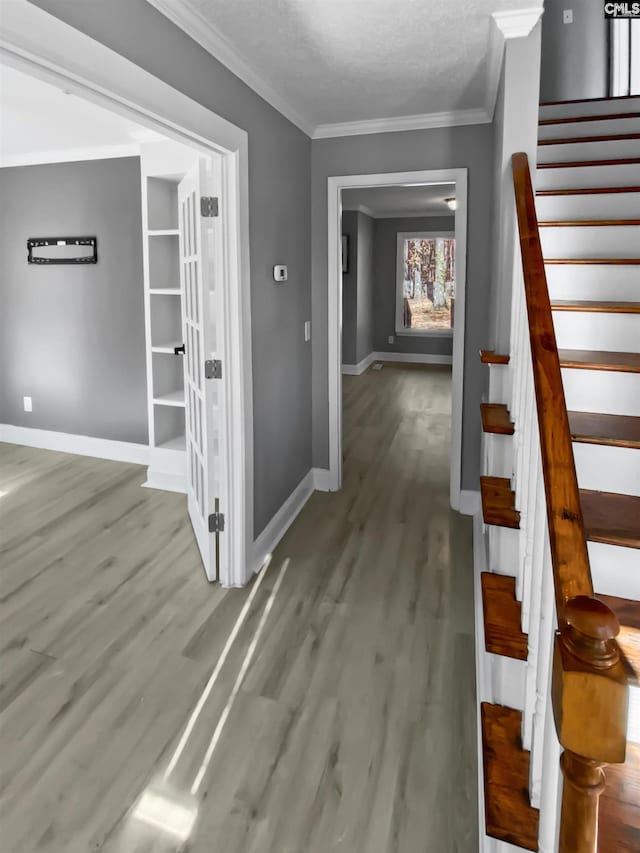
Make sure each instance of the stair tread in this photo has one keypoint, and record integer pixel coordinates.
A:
(589, 191)
(602, 137)
(509, 815)
(600, 360)
(612, 161)
(496, 418)
(596, 305)
(600, 428)
(579, 119)
(619, 809)
(586, 223)
(611, 518)
(502, 617)
(498, 502)
(609, 262)
(489, 356)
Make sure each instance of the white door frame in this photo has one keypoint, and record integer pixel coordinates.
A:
(41, 45)
(335, 186)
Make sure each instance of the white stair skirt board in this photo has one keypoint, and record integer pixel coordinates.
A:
(593, 206)
(603, 127)
(594, 282)
(80, 445)
(602, 391)
(165, 481)
(360, 367)
(614, 570)
(569, 151)
(590, 108)
(608, 469)
(581, 177)
(269, 538)
(586, 241)
(593, 330)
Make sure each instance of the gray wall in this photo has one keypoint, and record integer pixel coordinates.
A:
(441, 148)
(357, 288)
(279, 209)
(574, 56)
(72, 338)
(386, 241)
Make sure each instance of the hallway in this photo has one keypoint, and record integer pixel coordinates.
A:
(355, 727)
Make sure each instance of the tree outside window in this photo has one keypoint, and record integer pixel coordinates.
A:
(429, 283)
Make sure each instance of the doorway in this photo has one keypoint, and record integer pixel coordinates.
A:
(52, 51)
(336, 186)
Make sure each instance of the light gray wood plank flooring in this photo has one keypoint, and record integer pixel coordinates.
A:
(354, 729)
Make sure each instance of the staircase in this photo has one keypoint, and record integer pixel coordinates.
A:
(588, 208)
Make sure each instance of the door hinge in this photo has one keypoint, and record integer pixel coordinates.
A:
(213, 368)
(216, 522)
(208, 205)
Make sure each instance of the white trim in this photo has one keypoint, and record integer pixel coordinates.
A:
(201, 30)
(398, 214)
(321, 479)
(39, 44)
(165, 481)
(361, 208)
(360, 367)
(80, 445)
(422, 121)
(70, 155)
(401, 237)
(470, 502)
(413, 357)
(267, 541)
(517, 23)
(335, 185)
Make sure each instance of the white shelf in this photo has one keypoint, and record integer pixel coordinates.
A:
(163, 232)
(165, 291)
(173, 398)
(178, 442)
(168, 347)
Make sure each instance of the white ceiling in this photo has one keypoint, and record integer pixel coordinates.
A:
(342, 61)
(41, 124)
(398, 201)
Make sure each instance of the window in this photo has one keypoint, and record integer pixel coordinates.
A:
(425, 283)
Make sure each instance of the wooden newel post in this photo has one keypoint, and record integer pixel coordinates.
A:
(590, 698)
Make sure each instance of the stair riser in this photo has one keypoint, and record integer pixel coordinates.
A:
(614, 241)
(597, 331)
(615, 570)
(570, 151)
(591, 108)
(608, 469)
(606, 127)
(597, 206)
(602, 391)
(578, 177)
(594, 282)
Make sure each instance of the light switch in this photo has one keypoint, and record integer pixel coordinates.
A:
(390, 339)
(280, 272)
(28, 404)
(567, 16)
(307, 330)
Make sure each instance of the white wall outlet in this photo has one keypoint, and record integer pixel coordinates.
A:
(567, 16)
(28, 404)
(280, 272)
(307, 330)
(391, 339)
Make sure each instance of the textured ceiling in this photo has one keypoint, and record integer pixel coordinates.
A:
(390, 201)
(351, 60)
(38, 118)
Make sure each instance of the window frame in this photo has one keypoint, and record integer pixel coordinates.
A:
(400, 241)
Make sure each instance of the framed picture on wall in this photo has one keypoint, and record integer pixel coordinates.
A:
(345, 253)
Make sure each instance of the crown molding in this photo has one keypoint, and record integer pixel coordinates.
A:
(70, 155)
(397, 124)
(359, 208)
(190, 21)
(505, 26)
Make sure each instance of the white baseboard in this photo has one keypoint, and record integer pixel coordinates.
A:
(321, 479)
(470, 502)
(166, 481)
(413, 357)
(360, 367)
(81, 445)
(283, 519)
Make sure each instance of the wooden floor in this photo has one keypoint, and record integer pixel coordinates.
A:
(355, 727)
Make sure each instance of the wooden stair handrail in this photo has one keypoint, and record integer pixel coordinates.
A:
(589, 685)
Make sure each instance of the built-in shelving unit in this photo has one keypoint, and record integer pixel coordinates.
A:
(163, 165)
